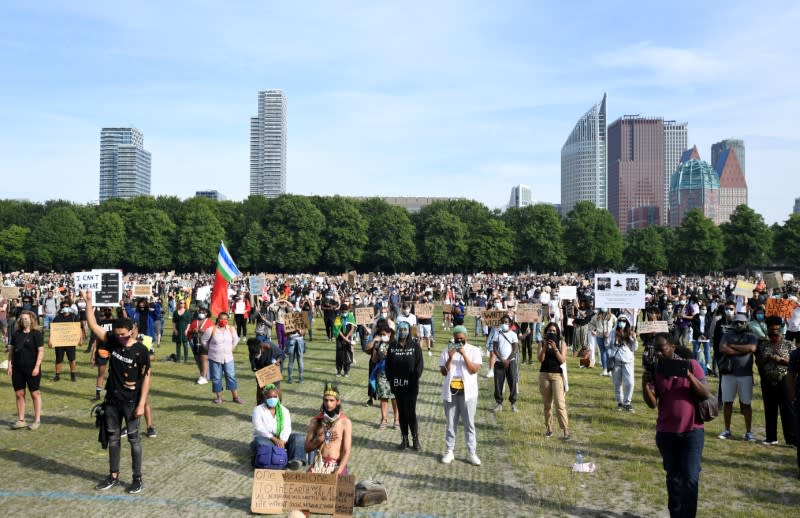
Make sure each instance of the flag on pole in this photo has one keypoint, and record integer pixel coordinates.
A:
(226, 272)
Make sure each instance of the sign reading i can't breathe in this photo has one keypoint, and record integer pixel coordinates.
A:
(87, 281)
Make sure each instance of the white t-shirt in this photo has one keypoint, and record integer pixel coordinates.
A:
(505, 343)
(264, 424)
(411, 319)
(459, 370)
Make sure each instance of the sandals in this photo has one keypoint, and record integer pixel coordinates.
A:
(382, 426)
(218, 401)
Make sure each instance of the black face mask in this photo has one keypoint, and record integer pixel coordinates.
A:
(333, 413)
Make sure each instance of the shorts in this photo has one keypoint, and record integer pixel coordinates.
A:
(732, 385)
(23, 377)
(70, 351)
(424, 330)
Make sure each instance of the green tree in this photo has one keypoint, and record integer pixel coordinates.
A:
(104, 241)
(444, 241)
(251, 254)
(55, 241)
(495, 251)
(539, 237)
(199, 234)
(390, 246)
(151, 235)
(644, 247)
(591, 238)
(698, 244)
(787, 241)
(293, 234)
(12, 250)
(747, 238)
(344, 233)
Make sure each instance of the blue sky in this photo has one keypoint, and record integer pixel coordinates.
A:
(413, 98)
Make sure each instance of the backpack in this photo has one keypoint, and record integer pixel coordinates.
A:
(269, 456)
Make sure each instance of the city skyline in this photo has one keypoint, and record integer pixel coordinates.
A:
(471, 96)
(124, 164)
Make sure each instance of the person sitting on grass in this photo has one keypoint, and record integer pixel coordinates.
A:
(272, 426)
(330, 435)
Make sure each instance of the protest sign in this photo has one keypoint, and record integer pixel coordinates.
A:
(363, 316)
(492, 317)
(87, 281)
(142, 290)
(773, 280)
(567, 292)
(9, 292)
(447, 308)
(473, 311)
(345, 495)
(423, 310)
(277, 492)
(655, 326)
(110, 292)
(269, 374)
(744, 288)
(256, 284)
(65, 334)
(295, 321)
(779, 307)
(351, 278)
(619, 290)
(529, 313)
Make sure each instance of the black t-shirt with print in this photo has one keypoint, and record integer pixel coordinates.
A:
(127, 368)
(26, 348)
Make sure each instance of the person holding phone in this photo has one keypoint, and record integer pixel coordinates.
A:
(623, 344)
(679, 430)
(551, 354)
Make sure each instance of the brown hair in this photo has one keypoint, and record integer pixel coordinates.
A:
(34, 321)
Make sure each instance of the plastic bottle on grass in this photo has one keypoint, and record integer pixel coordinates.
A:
(579, 457)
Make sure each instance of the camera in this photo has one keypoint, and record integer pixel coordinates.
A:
(551, 336)
(649, 357)
(455, 345)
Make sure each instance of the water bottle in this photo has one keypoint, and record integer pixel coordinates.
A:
(579, 457)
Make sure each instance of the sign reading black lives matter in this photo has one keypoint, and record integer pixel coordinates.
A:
(110, 292)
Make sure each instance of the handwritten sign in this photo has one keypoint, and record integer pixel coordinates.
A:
(9, 292)
(779, 307)
(655, 326)
(363, 316)
(110, 292)
(88, 281)
(447, 308)
(473, 311)
(65, 334)
(423, 310)
(295, 321)
(567, 292)
(773, 280)
(256, 284)
(492, 317)
(529, 313)
(277, 492)
(351, 278)
(345, 495)
(142, 290)
(269, 374)
(744, 288)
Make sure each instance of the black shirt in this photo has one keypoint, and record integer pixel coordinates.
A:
(26, 348)
(550, 363)
(127, 368)
(404, 365)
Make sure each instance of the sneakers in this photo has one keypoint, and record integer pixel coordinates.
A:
(490, 374)
(548, 434)
(108, 483)
(295, 465)
(201, 381)
(498, 408)
(474, 460)
(19, 424)
(430, 353)
(514, 408)
(123, 432)
(620, 407)
(769, 443)
(629, 408)
(57, 377)
(36, 424)
(749, 437)
(726, 434)
(151, 432)
(448, 457)
(136, 486)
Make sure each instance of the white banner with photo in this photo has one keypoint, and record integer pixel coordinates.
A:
(619, 290)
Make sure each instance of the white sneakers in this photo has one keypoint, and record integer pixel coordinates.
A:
(448, 457)
(474, 460)
(490, 374)
(201, 381)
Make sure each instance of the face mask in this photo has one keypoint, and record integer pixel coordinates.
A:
(504, 327)
(384, 338)
(384, 315)
(669, 308)
(272, 402)
(621, 325)
(201, 316)
(331, 415)
(406, 312)
(759, 316)
(65, 311)
(222, 322)
(402, 333)
(498, 305)
(703, 311)
(730, 312)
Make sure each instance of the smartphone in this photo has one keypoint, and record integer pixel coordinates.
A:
(677, 368)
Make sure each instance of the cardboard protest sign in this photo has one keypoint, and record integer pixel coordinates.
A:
(88, 281)
(473, 311)
(345, 495)
(447, 308)
(567, 292)
(744, 288)
(655, 326)
(295, 321)
(779, 307)
(277, 492)
(351, 278)
(773, 280)
(363, 316)
(529, 313)
(111, 287)
(619, 290)
(492, 317)
(9, 292)
(269, 374)
(423, 310)
(142, 290)
(65, 334)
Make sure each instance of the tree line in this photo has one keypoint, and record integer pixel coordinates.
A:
(334, 234)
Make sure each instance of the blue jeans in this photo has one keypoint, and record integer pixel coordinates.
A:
(295, 348)
(696, 345)
(681, 454)
(601, 346)
(295, 447)
(47, 320)
(216, 370)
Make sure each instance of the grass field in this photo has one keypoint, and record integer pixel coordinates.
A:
(199, 466)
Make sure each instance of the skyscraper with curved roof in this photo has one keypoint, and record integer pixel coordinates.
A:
(583, 160)
(694, 185)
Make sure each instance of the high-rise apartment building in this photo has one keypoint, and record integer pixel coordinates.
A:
(718, 147)
(124, 164)
(636, 171)
(583, 160)
(732, 184)
(520, 197)
(268, 145)
(210, 194)
(676, 140)
(796, 209)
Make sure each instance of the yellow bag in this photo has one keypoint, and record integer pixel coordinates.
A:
(457, 384)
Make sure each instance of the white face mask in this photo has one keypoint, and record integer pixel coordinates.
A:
(384, 314)
(504, 327)
(384, 338)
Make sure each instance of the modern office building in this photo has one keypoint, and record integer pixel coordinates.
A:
(718, 147)
(268, 145)
(687, 155)
(124, 164)
(520, 197)
(796, 209)
(694, 185)
(583, 160)
(732, 184)
(211, 195)
(676, 140)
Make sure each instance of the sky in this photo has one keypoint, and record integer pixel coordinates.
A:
(463, 98)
